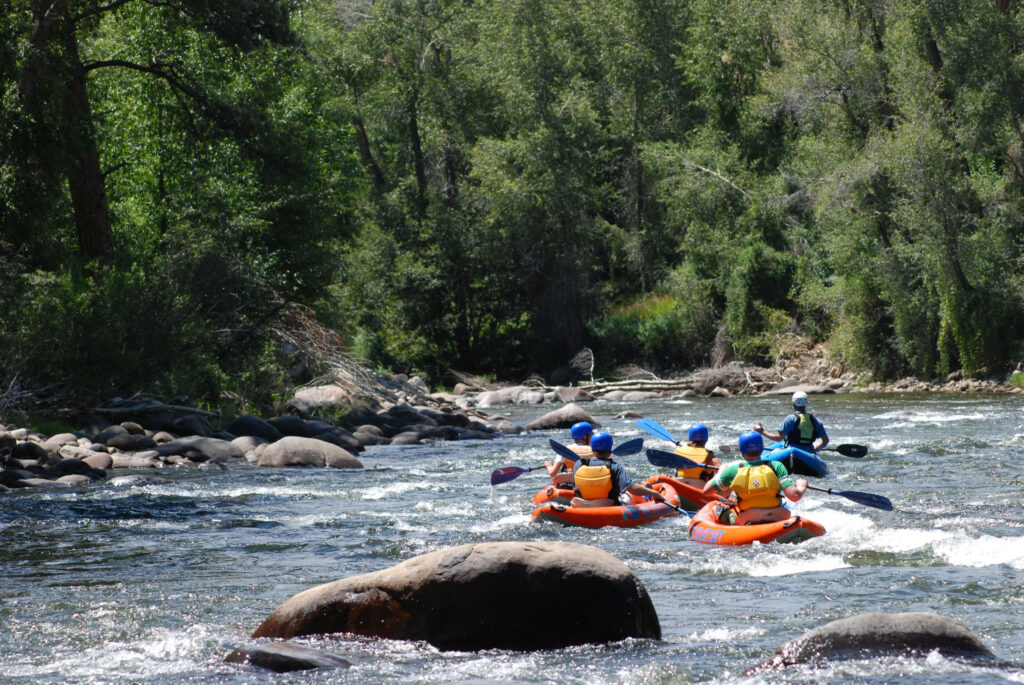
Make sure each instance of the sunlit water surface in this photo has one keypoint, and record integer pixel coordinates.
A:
(156, 584)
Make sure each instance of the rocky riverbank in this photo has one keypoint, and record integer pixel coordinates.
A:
(366, 409)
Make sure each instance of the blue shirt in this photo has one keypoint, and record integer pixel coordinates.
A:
(791, 421)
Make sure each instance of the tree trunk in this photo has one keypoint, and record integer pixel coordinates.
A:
(365, 155)
(417, 154)
(85, 177)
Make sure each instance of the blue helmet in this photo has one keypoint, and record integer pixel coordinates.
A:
(698, 433)
(581, 430)
(750, 441)
(601, 442)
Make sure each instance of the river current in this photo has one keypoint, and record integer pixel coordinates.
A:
(156, 584)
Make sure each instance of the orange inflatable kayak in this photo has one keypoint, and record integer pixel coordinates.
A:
(690, 498)
(705, 527)
(638, 512)
(553, 494)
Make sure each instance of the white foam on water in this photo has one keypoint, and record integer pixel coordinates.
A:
(984, 550)
(721, 634)
(906, 418)
(774, 565)
(161, 651)
(446, 507)
(383, 491)
(514, 521)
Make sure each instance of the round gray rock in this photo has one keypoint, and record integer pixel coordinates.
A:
(297, 451)
(867, 635)
(564, 417)
(492, 595)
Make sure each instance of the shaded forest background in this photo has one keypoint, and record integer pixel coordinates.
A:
(489, 186)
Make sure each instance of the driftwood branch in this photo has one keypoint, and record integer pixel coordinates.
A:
(719, 176)
(149, 406)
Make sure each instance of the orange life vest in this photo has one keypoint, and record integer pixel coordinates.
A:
(697, 454)
(582, 450)
(593, 482)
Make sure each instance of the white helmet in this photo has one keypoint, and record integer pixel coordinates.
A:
(799, 399)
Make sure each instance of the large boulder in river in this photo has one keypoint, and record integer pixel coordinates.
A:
(254, 426)
(572, 394)
(491, 595)
(502, 396)
(199, 448)
(564, 417)
(297, 451)
(868, 635)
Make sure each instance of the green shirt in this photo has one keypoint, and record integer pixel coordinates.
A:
(727, 473)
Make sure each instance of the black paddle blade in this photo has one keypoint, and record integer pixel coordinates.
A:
(507, 473)
(856, 451)
(629, 447)
(670, 460)
(866, 498)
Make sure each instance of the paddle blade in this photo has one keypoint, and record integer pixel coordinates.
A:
(855, 451)
(563, 451)
(866, 498)
(629, 447)
(670, 460)
(656, 429)
(507, 473)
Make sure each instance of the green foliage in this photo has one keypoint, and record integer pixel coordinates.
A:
(490, 186)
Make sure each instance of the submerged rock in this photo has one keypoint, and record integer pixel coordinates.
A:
(494, 595)
(284, 658)
(874, 634)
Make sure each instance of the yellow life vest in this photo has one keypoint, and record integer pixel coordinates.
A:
(593, 482)
(757, 487)
(697, 454)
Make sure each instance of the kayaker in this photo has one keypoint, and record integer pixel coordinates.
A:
(557, 469)
(599, 481)
(799, 429)
(758, 486)
(695, 450)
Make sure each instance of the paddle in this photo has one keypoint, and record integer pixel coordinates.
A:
(657, 430)
(847, 450)
(510, 473)
(672, 460)
(572, 456)
(629, 447)
(507, 473)
(865, 498)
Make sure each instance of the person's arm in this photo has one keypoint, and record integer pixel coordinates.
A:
(771, 435)
(720, 483)
(712, 460)
(795, 491)
(822, 435)
(554, 467)
(644, 491)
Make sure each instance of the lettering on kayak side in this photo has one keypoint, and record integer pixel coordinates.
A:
(704, 534)
(639, 512)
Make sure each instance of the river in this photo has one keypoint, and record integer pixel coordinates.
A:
(156, 584)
